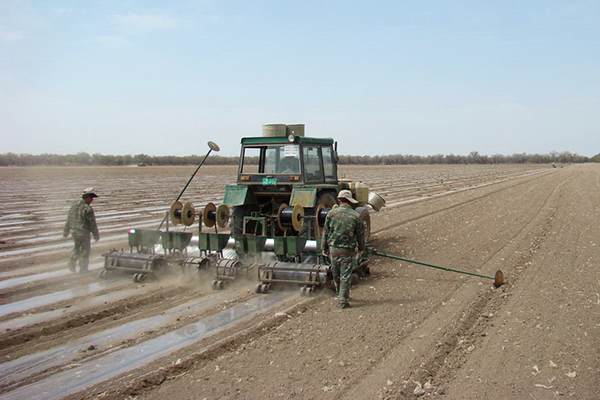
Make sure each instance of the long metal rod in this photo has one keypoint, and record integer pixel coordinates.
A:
(212, 146)
(498, 278)
(193, 175)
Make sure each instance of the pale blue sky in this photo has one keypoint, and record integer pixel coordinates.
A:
(381, 77)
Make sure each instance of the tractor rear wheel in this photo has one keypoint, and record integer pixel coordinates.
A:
(362, 267)
(366, 217)
(237, 219)
(324, 200)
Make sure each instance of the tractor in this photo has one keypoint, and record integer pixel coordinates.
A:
(287, 183)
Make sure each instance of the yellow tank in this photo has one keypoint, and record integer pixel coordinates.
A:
(359, 190)
(361, 193)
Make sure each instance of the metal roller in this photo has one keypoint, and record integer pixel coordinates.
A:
(133, 261)
(138, 264)
(304, 274)
(226, 269)
(195, 264)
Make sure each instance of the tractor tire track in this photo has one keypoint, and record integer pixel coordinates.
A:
(466, 332)
(522, 181)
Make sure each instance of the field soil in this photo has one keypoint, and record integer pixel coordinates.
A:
(412, 331)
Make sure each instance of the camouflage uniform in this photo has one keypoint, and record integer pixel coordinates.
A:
(343, 233)
(81, 223)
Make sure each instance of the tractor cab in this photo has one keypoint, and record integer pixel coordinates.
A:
(291, 160)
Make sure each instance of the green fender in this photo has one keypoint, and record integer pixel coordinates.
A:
(237, 195)
(304, 196)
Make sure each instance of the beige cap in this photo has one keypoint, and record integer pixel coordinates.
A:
(90, 192)
(346, 194)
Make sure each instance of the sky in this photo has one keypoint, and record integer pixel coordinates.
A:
(380, 77)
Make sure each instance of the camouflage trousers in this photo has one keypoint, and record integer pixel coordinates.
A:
(81, 250)
(341, 269)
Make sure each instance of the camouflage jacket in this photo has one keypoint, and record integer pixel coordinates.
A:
(81, 217)
(344, 229)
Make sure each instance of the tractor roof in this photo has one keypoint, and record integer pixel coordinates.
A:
(284, 140)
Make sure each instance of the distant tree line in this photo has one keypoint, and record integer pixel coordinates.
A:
(473, 158)
(85, 159)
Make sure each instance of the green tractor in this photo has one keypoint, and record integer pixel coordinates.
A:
(287, 183)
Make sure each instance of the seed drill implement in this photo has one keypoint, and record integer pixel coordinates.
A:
(269, 225)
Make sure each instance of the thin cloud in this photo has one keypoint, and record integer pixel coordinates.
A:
(60, 12)
(112, 41)
(9, 35)
(145, 23)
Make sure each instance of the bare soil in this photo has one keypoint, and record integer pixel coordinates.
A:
(411, 331)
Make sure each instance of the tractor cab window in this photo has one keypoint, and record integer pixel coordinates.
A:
(313, 168)
(328, 164)
(250, 160)
(288, 160)
(272, 159)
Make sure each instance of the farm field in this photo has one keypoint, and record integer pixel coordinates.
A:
(411, 332)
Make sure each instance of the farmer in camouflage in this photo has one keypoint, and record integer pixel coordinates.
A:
(81, 223)
(343, 235)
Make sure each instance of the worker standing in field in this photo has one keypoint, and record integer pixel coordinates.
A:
(343, 236)
(81, 223)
